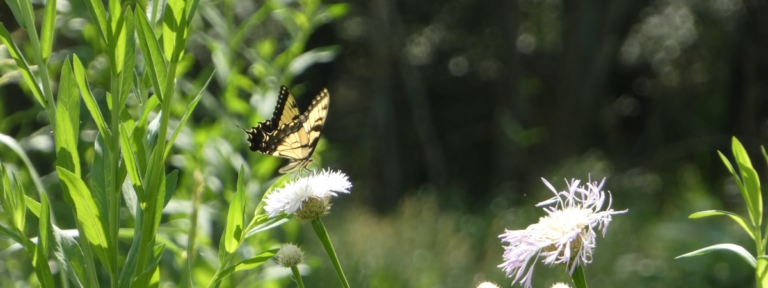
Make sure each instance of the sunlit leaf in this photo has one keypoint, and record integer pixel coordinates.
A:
(727, 247)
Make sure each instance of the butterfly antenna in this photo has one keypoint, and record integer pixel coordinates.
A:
(241, 128)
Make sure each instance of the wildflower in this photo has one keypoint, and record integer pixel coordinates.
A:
(560, 285)
(289, 256)
(309, 197)
(565, 236)
(487, 285)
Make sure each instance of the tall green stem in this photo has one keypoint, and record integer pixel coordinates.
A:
(579, 278)
(297, 275)
(317, 224)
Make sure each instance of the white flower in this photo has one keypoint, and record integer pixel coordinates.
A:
(487, 285)
(290, 255)
(318, 186)
(565, 236)
(560, 285)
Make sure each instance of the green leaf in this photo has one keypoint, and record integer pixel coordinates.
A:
(171, 18)
(127, 52)
(33, 206)
(46, 33)
(578, 276)
(88, 214)
(153, 57)
(751, 182)
(338, 10)
(184, 119)
(101, 175)
(40, 262)
(147, 275)
(264, 223)
(236, 216)
(6, 232)
(131, 261)
(740, 220)
(15, 9)
(90, 101)
(728, 247)
(99, 15)
(70, 257)
(67, 121)
(247, 264)
(170, 186)
(129, 158)
(21, 62)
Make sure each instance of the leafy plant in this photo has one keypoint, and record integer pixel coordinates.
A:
(749, 184)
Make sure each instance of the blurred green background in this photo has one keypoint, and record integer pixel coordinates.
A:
(445, 115)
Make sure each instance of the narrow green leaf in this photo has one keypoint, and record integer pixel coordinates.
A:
(740, 220)
(129, 158)
(42, 269)
(90, 101)
(153, 57)
(236, 215)
(88, 214)
(21, 62)
(46, 34)
(7, 202)
(7, 232)
(129, 54)
(33, 206)
(170, 21)
(264, 223)
(247, 264)
(170, 186)
(70, 257)
(751, 182)
(67, 121)
(146, 276)
(181, 38)
(16, 10)
(728, 247)
(190, 108)
(101, 175)
(130, 263)
(99, 15)
(20, 204)
(16, 147)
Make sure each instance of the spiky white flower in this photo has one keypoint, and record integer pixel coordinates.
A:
(560, 285)
(318, 186)
(564, 237)
(290, 255)
(487, 285)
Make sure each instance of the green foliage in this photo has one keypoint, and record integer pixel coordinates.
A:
(749, 186)
(143, 112)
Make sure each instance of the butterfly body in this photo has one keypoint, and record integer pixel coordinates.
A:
(289, 134)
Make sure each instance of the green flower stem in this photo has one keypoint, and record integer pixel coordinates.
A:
(317, 224)
(578, 277)
(297, 276)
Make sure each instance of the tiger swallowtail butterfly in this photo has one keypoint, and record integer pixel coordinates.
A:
(289, 134)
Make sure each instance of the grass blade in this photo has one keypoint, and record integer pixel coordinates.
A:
(40, 262)
(67, 121)
(726, 246)
(170, 186)
(99, 15)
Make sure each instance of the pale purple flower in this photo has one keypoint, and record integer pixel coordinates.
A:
(318, 186)
(565, 236)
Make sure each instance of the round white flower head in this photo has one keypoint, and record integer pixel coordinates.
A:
(290, 255)
(560, 285)
(487, 285)
(565, 236)
(312, 192)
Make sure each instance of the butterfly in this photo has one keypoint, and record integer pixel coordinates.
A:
(289, 134)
